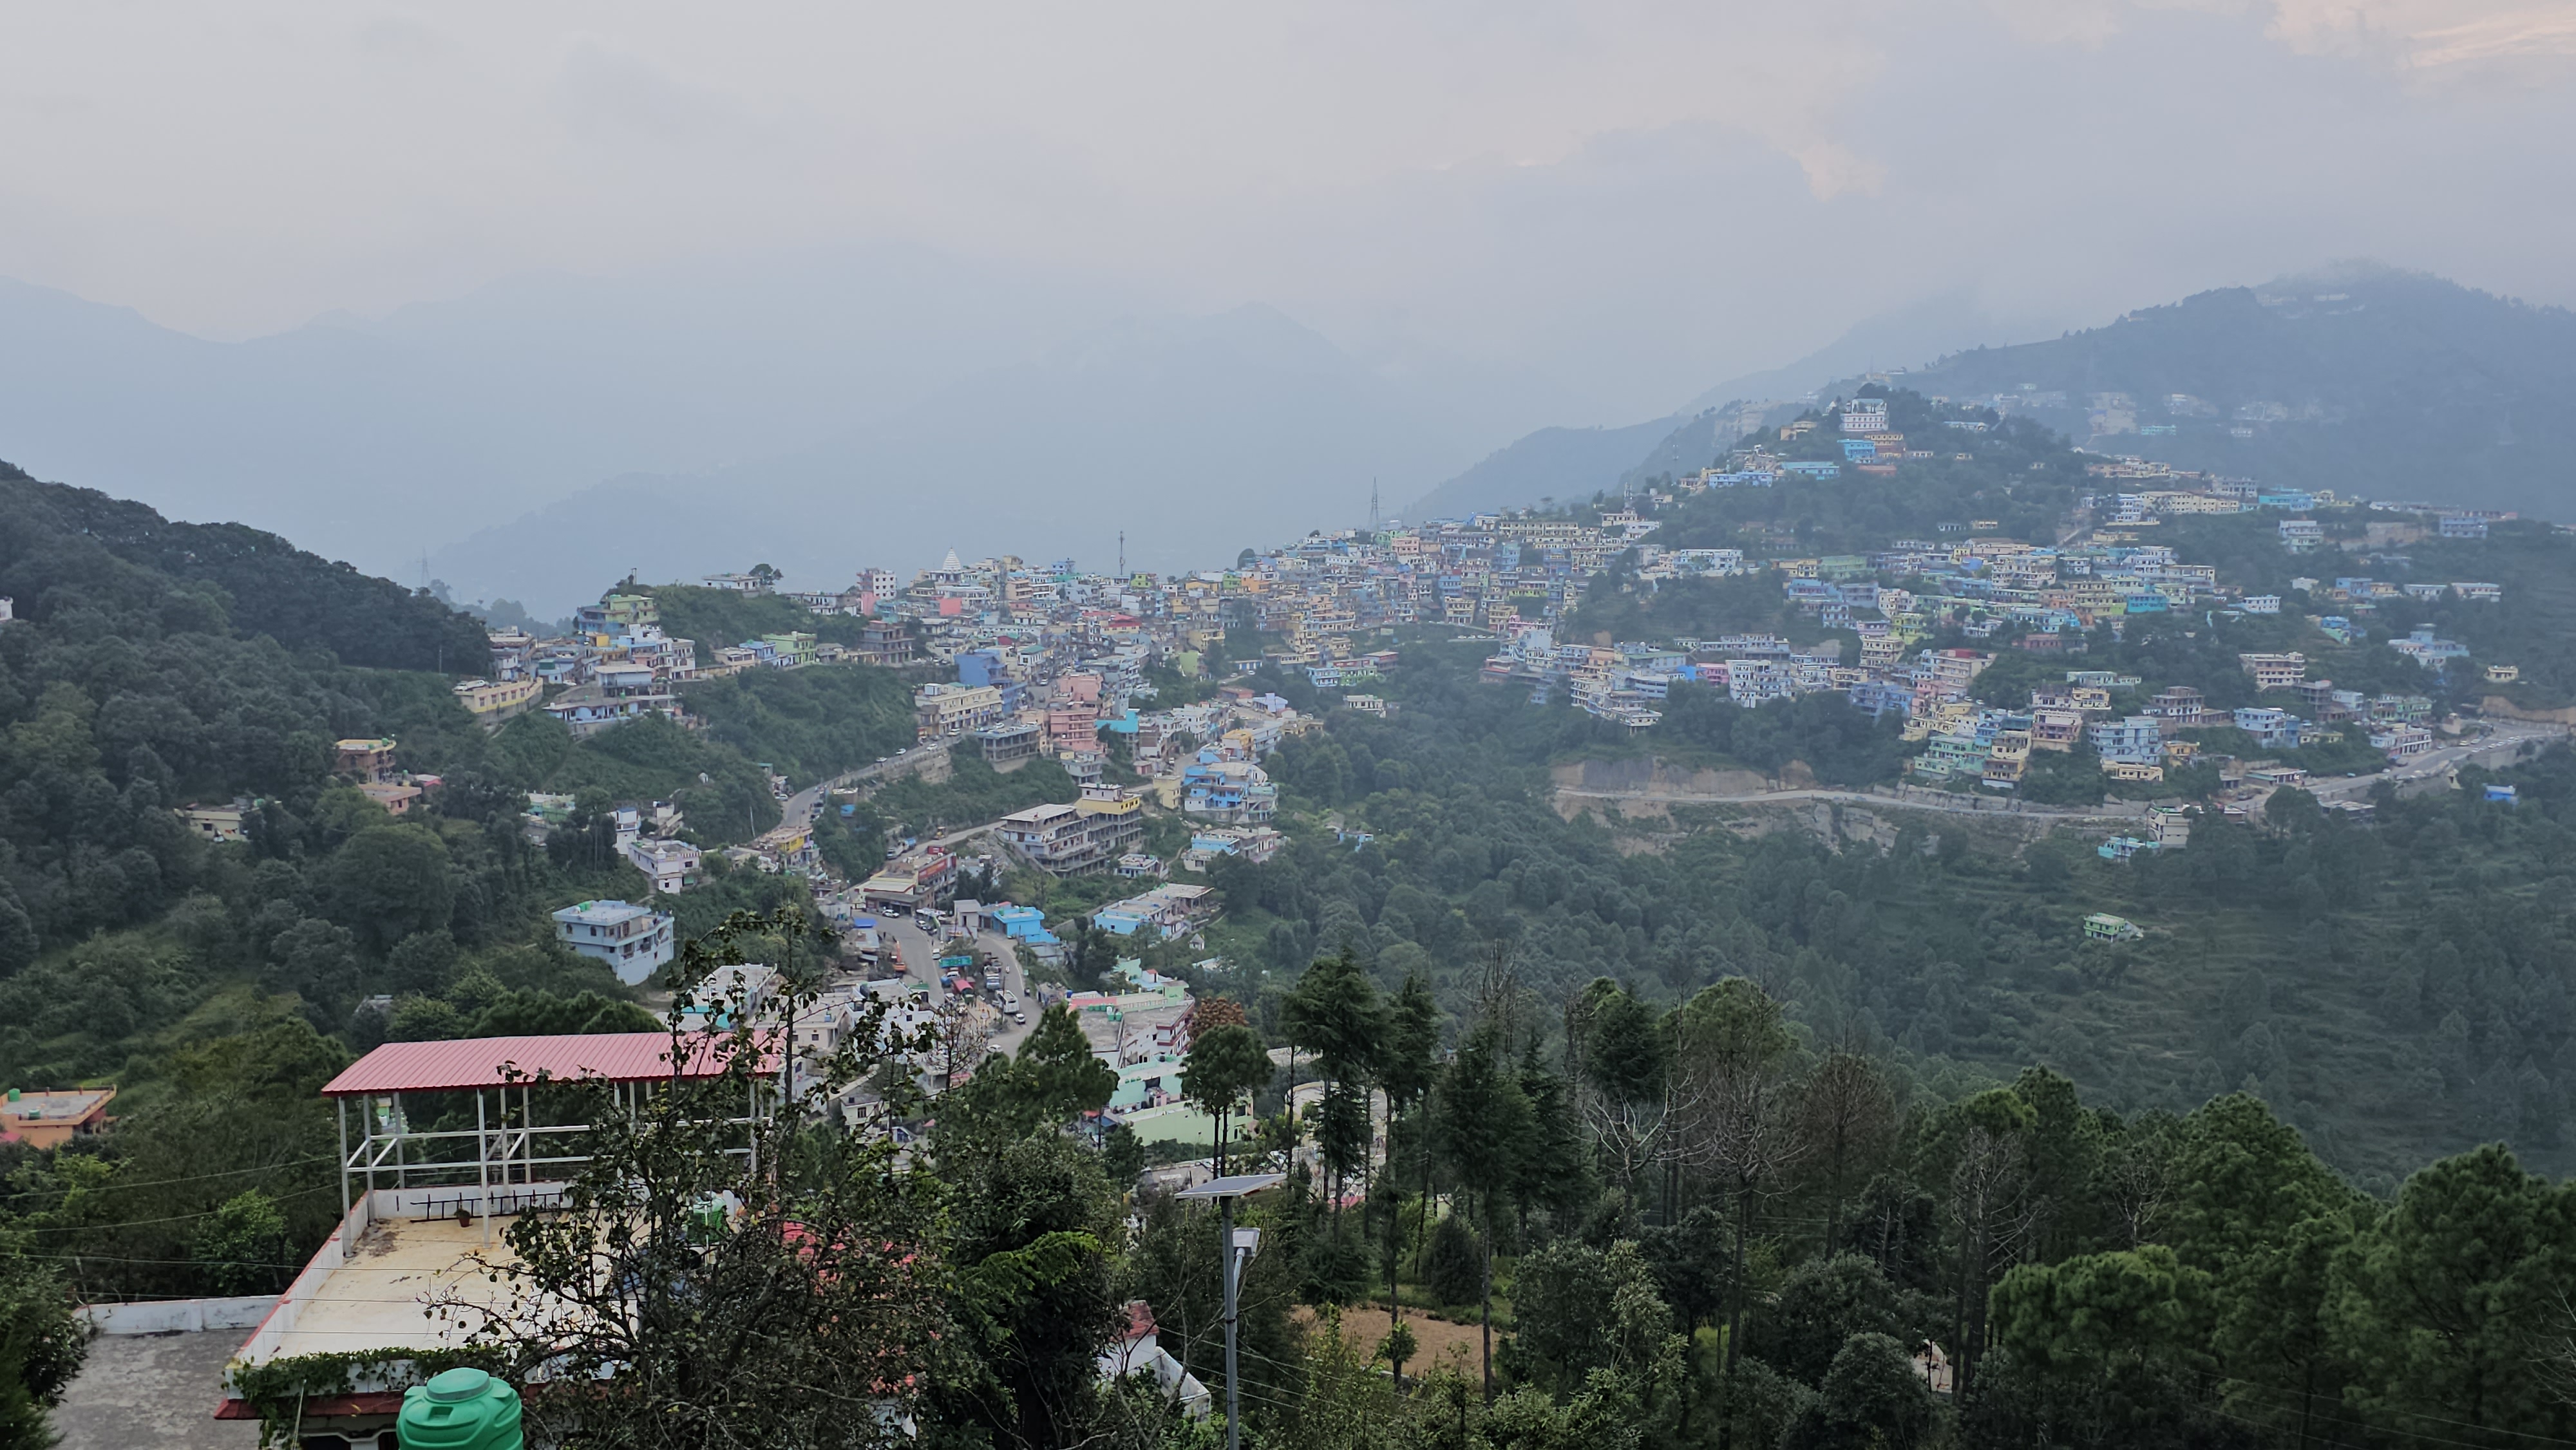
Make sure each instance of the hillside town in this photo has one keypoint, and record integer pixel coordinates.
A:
(1016, 662)
(1157, 697)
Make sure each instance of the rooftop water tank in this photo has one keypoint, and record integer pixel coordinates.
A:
(461, 1409)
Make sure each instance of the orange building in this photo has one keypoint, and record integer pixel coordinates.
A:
(366, 761)
(51, 1119)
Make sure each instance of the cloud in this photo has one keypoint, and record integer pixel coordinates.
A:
(616, 99)
(2481, 37)
(1631, 197)
(2086, 23)
(1834, 169)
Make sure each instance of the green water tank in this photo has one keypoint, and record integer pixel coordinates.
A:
(462, 1409)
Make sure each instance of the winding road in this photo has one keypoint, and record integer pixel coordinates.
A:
(2504, 739)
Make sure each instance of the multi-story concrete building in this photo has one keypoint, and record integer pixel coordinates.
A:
(945, 711)
(635, 941)
(1079, 839)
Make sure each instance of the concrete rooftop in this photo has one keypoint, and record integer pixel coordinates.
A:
(380, 1298)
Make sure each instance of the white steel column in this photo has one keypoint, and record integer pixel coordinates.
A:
(344, 1158)
(483, 1163)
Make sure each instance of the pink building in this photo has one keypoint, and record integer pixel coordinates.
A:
(1071, 728)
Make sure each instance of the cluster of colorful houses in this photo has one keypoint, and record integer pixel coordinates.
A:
(1991, 745)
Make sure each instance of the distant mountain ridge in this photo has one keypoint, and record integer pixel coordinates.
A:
(368, 440)
(1193, 437)
(1567, 463)
(816, 380)
(2360, 378)
(2357, 377)
(1563, 463)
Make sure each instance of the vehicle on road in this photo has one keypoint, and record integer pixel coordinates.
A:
(1021, 1018)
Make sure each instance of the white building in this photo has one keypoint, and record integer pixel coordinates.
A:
(672, 866)
(1138, 1350)
(634, 941)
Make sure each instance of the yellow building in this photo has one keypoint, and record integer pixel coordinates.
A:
(493, 701)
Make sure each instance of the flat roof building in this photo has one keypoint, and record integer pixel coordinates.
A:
(635, 941)
(422, 1220)
(51, 1119)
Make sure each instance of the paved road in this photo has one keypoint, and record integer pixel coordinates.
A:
(802, 805)
(1957, 805)
(921, 964)
(2507, 735)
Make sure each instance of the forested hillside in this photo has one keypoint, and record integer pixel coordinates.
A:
(2361, 379)
(152, 665)
(715, 617)
(261, 583)
(2400, 990)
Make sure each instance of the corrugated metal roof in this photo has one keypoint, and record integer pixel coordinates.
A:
(485, 1062)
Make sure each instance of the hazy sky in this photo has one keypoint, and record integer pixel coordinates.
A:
(1638, 198)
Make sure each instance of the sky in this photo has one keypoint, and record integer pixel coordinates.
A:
(1635, 199)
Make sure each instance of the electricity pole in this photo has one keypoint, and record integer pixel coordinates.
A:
(1238, 1247)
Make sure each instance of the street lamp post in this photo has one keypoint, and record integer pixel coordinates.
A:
(1238, 1247)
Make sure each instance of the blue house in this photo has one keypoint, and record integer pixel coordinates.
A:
(2137, 740)
(2273, 729)
(1022, 924)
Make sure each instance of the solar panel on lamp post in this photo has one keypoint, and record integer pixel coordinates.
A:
(1237, 1246)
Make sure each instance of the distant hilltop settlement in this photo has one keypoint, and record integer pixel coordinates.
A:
(1052, 661)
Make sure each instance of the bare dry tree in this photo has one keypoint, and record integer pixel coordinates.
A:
(2554, 1351)
(1735, 1110)
(960, 1031)
(1846, 1112)
(1628, 1130)
(2137, 1180)
(1991, 1201)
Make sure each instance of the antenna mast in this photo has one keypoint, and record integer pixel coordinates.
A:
(1373, 514)
(1122, 553)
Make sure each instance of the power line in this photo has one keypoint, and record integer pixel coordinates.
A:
(2223, 1414)
(2306, 1395)
(192, 1178)
(73, 1228)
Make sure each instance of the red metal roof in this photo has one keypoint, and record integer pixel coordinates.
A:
(407, 1067)
(326, 1407)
